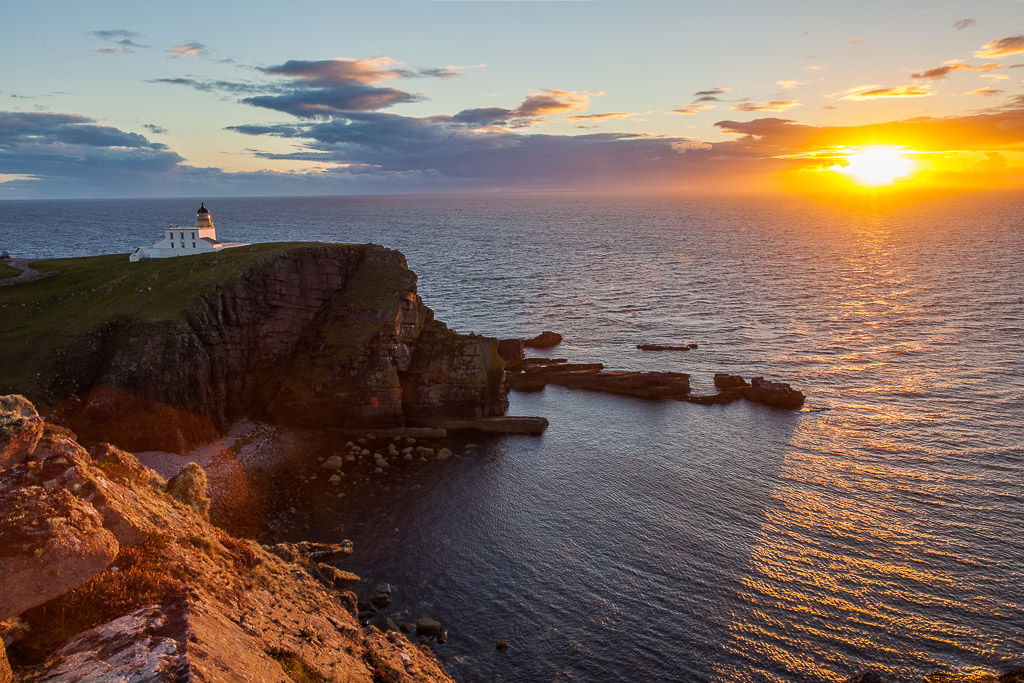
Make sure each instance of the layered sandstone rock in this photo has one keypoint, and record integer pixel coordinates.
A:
(115, 579)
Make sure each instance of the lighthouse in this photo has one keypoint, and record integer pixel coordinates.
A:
(179, 241)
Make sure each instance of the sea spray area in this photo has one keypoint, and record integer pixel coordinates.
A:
(877, 527)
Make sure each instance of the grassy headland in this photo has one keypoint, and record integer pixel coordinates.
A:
(43, 315)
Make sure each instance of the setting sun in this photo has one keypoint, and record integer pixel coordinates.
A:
(877, 165)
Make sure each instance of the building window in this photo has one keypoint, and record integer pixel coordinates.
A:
(193, 245)
(183, 238)
(172, 245)
(193, 235)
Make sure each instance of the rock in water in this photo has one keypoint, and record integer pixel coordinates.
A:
(190, 487)
(428, 627)
(726, 381)
(544, 340)
(775, 394)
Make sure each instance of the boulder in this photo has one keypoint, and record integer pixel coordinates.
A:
(338, 579)
(428, 627)
(444, 454)
(544, 340)
(52, 541)
(20, 430)
(386, 624)
(501, 646)
(335, 462)
(190, 487)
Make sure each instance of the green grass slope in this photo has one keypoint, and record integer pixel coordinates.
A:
(7, 270)
(38, 317)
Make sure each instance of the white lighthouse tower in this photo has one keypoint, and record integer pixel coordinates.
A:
(179, 241)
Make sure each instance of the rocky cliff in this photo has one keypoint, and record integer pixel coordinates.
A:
(107, 572)
(162, 354)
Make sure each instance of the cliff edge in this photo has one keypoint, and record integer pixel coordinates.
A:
(163, 354)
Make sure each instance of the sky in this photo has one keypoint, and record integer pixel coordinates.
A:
(136, 99)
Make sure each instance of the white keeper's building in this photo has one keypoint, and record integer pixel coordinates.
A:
(179, 241)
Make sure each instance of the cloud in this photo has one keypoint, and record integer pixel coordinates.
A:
(369, 71)
(51, 147)
(691, 109)
(791, 84)
(157, 130)
(124, 41)
(996, 130)
(778, 105)
(1012, 45)
(326, 88)
(187, 50)
(985, 91)
(233, 87)
(941, 72)
(69, 155)
(709, 95)
(334, 101)
(601, 117)
(541, 103)
(963, 23)
(874, 92)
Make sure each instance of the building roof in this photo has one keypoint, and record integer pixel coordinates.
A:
(202, 209)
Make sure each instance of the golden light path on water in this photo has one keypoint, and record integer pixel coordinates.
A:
(841, 553)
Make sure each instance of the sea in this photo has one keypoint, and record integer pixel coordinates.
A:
(882, 525)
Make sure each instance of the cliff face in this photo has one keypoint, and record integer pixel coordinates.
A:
(315, 335)
(114, 574)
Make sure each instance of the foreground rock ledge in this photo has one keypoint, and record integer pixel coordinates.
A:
(150, 590)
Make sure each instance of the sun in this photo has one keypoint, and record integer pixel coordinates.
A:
(877, 165)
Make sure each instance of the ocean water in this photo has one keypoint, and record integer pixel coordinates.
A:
(643, 540)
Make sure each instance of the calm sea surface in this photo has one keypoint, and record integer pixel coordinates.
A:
(642, 540)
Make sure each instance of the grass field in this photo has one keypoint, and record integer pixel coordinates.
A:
(39, 317)
(7, 271)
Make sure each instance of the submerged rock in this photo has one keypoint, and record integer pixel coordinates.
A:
(775, 394)
(428, 627)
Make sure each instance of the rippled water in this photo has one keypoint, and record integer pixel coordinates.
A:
(641, 540)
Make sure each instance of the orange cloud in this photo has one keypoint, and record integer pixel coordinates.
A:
(691, 109)
(776, 105)
(552, 102)
(791, 84)
(1012, 45)
(187, 50)
(874, 92)
(600, 117)
(943, 71)
(984, 91)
